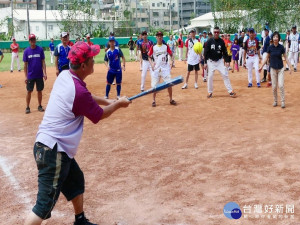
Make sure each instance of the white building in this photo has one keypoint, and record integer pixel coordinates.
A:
(38, 25)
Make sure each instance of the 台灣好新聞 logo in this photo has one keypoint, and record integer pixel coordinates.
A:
(232, 210)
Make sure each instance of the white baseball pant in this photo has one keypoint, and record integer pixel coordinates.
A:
(51, 56)
(241, 56)
(293, 58)
(15, 56)
(252, 62)
(145, 66)
(138, 54)
(217, 65)
(131, 53)
(180, 53)
(266, 66)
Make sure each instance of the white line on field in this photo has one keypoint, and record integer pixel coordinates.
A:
(22, 196)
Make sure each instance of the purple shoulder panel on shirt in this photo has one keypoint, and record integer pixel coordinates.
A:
(84, 104)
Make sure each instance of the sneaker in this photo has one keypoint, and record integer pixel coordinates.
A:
(258, 85)
(204, 80)
(114, 83)
(295, 70)
(19, 70)
(184, 86)
(229, 68)
(232, 94)
(153, 104)
(263, 80)
(249, 85)
(286, 69)
(118, 97)
(11, 71)
(40, 108)
(209, 95)
(196, 85)
(282, 105)
(84, 221)
(269, 84)
(106, 97)
(274, 104)
(173, 102)
(27, 110)
(142, 90)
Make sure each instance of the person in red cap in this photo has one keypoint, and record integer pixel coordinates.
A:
(88, 39)
(14, 55)
(158, 58)
(35, 71)
(60, 132)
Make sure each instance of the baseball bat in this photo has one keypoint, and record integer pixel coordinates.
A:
(159, 87)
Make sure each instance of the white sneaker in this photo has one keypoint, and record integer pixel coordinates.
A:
(204, 79)
(196, 85)
(184, 86)
(118, 97)
(105, 97)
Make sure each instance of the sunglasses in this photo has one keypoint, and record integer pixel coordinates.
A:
(216, 32)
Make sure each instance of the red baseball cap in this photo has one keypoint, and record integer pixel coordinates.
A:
(31, 36)
(81, 51)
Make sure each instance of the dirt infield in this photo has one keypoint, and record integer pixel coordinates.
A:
(166, 165)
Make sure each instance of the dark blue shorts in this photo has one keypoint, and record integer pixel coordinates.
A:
(112, 75)
(56, 173)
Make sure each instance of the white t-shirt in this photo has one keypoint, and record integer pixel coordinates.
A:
(193, 57)
(294, 38)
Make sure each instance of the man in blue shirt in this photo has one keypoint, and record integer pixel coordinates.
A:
(61, 54)
(266, 44)
(51, 48)
(113, 63)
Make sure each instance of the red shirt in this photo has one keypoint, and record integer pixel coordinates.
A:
(180, 43)
(14, 47)
(90, 43)
(70, 43)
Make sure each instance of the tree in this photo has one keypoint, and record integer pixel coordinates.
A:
(78, 18)
(230, 15)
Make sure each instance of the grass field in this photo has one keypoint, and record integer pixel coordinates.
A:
(5, 64)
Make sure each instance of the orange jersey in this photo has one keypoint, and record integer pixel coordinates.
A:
(228, 45)
(14, 47)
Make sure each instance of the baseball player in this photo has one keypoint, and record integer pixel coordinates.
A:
(145, 46)
(138, 50)
(14, 55)
(287, 47)
(172, 45)
(180, 46)
(51, 49)
(131, 46)
(203, 40)
(266, 44)
(241, 52)
(193, 59)
(113, 63)
(60, 132)
(214, 54)
(252, 54)
(160, 66)
(61, 54)
(294, 40)
(35, 71)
